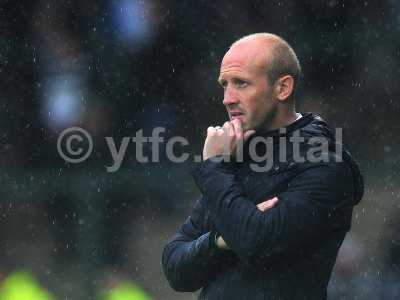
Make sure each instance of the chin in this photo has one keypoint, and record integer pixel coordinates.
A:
(247, 127)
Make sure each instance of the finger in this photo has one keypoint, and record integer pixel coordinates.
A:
(215, 130)
(237, 124)
(229, 128)
(221, 243)
(248, 134)
(271, 202)
(264, 206)
(220, 131)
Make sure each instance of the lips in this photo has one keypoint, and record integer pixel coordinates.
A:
(235, 113)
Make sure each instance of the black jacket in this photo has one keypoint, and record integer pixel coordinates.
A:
(285, 253)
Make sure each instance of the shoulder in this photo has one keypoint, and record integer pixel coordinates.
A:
(327, 181)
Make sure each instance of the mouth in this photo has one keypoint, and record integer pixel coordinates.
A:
(236, 115)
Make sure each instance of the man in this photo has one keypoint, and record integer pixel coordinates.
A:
(237, 244)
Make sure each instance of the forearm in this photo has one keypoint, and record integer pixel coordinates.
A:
(304, 212)
(188, 265)
(234, 216)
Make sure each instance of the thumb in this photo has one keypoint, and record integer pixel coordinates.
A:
(248, 134)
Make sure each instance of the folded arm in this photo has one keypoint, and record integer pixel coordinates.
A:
(189, 259)
(303, 212)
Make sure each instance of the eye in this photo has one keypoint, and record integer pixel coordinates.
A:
(223, 83)
(240, 83)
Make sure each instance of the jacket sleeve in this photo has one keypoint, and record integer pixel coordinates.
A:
(303, 212)
(189, 259)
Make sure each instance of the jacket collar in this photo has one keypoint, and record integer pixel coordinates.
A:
(307, 118)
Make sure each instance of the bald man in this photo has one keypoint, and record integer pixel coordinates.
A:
(272, 216)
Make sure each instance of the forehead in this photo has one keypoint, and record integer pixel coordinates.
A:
(245, 57)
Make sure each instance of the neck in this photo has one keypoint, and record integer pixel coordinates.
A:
(282, 119)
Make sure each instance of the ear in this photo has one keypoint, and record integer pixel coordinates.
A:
(284, 87)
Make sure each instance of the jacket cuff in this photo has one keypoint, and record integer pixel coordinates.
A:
(207, 244)
(213, 240)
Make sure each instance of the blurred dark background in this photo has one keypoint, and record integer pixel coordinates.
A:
(114, 67)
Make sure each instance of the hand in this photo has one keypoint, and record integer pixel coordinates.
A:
(224, 140)
(221, 244)
(263, 206)
(268, 204)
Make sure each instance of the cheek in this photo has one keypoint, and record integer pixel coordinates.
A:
(252, 100)
(260, 108)
(258, 103)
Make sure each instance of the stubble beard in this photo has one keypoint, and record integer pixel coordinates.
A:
(268, 121)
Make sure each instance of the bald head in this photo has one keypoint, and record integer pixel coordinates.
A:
(271, 53)
(258, 75)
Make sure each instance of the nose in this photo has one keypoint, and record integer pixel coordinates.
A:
(230, 97)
